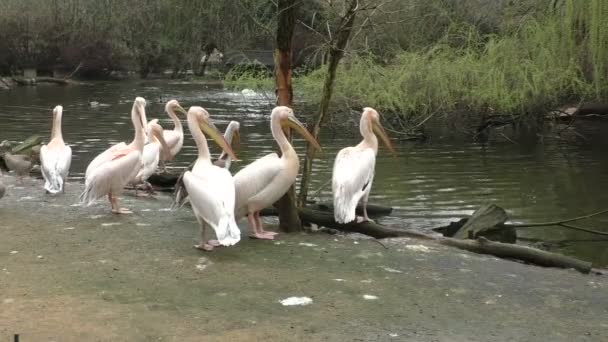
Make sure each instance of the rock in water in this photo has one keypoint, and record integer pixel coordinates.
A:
(2, 189)
(18, 163)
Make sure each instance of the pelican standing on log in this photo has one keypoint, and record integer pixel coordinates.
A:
(110, 171)
(263, 182)
(354, 169)
(174, 137)
(210, 187)
(55, 157)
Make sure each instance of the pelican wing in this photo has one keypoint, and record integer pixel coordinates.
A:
(111, 176)
(104, 157)
(212, 198)
(55, 166)
(254, 178)
(352, 176)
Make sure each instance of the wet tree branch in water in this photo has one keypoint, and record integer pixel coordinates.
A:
(563, 223)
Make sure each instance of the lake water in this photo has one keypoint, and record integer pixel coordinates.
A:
(428, 184)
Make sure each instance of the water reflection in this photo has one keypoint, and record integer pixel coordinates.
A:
(428, 184)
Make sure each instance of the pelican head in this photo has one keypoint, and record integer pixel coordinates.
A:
(154, 128)
(175, 107)
(207, 126)
(58, 110)
(140, 108)
(288, 120)
(374, 120)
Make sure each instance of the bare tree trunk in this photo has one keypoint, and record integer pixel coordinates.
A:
(336, 52)
(289, 220)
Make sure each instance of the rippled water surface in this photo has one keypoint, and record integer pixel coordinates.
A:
(429, 184)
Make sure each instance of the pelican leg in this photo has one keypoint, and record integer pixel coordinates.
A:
(116, 209)
(149, 188)
(260, 224)
(162, 166)
(364, 204)
(253, 224)
(203, 246)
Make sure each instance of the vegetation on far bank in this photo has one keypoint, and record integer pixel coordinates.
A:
(417, 61)
(554, 54)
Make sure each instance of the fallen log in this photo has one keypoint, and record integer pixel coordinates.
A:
(163, 180)
(23, 81)
(510, 251)
(485, 218)
(481, 245)
(27, 144)
(326, 219)
(373, 210)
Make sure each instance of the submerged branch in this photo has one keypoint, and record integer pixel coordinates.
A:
(563, 223)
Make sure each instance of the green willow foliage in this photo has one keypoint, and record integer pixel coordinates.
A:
(546, 62)
(541, 61)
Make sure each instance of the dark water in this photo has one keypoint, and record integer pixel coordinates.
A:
(429, 184)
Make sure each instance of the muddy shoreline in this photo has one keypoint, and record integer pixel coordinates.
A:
(69, 273)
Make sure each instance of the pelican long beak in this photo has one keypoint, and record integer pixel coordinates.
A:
(379, 131)
(181, 110)
(209, 128)
(142, 118)
(297, 126)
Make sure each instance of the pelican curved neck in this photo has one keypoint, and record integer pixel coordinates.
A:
(56, 129)
(279, 135)
(367, 132)
(199, 139)
(139, 139)
(177, 124)
(229, 133)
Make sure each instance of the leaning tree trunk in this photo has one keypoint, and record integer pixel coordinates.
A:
(288, 213)
(336, 52)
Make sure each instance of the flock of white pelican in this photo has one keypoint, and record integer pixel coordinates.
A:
(218, 199)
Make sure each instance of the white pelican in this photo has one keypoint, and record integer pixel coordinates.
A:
(110, 171)
(233, 136)
(211, 188)
(55, 157)
(174, 137)
(354, 169)
(263, 182)
(151, 154)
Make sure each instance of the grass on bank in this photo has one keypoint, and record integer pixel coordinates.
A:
(546, 62)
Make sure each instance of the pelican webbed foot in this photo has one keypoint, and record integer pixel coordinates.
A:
(204, 247)
(261, 236)
(214, 243)
(266, 232)
(120, 211)
(364, 220)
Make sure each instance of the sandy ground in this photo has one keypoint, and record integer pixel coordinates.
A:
(81, 274)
